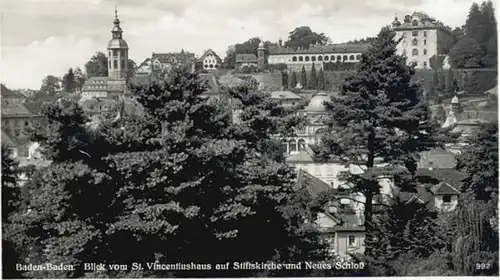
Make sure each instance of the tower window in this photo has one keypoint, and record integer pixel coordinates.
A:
(425, 51)
(414, 52)
(414, 33)
(115, 53)
(425, 33)
(425, 42)
(115, 64)
(109, 53)
(414, 42)
(123, 63)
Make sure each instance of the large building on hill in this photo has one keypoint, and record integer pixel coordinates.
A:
(165, 61)
(422, 38)
(320, 56)
(114, 85)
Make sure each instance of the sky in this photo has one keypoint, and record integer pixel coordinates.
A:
(47, 37)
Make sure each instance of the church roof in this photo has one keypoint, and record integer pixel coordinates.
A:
(117, 44)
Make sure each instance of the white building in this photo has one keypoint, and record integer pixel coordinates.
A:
(210, 60)
(422, 38)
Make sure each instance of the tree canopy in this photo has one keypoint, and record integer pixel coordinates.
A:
(303, 37)
(176, 184)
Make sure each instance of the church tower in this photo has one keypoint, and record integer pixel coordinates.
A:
(117, 52)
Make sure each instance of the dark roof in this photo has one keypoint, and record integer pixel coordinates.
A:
(350, 222)
(444, 188)
(314, 185)
(34, 107)
(175, 58)
(436, 175)
(17, 110)
(8, 93)
(245, 57)
(333, 48)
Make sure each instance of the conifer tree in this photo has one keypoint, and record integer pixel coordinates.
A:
(182, 183)
(303, 77)
(382, 118)
(293, 80)
(321, 80)
(313, 79)
(68, 81)
(284, 79)
(449, 81)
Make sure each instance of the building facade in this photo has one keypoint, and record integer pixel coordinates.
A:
(421, 38)
(210, 60)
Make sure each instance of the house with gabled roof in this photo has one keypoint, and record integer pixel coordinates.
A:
(210, 60)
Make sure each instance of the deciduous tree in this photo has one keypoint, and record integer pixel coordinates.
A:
(467, 49)
(303, 37)
(69, 81)
(50, 85)
(97, 66)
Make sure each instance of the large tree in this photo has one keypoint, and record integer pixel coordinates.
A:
(466, 51)
(303, 37)
(50, 86)
(176, 184)
(382, 118)
(79, 78)
(250, 47)
(97, 66)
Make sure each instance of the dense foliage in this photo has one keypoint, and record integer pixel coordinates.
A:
(382, 116)
(182, 183)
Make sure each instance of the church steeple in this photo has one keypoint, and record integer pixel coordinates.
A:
(118, 52)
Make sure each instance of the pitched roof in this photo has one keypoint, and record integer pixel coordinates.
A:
(444, 188)
(174, 58)
(8, 93)
(245, 57)
(208, 52)
(350, 222)
(314, 185)
(333, 48)
(285, 94)
(437, 158)
(16, 109)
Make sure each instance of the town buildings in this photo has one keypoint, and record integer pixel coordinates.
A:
(422, 38)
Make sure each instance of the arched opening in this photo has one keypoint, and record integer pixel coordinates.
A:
(339, 57)
(206, 66)
(301, 58)
(414, 42)
(351, 57)
(307, 58)
(302, 145)
(358, 57)
(326, 57)
(294, 59)
(332, 58)
(345, 57)
(313, 58)
(211, 66)
(414, 52)
(292, 145)
(320, 58)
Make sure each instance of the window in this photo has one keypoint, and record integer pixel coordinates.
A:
(339, 58)
(414, 52)
(302, 145)
(332, 58)
(425, 63)
(425, 42)
(211, 66)
(425, 51)
(414, 22)
(313, 58)
(307, 58)
(414, 33)
(326, 57)
(414, 42)
(351, 57)
(26, 123)
(351, 240)
(115, 64)
(109, 53)
(425, 33)
(123, 63)
(284, 147)
(301, 58)
(294, 59)
(115, 53)
(446, 198)
(343, 175)
(345, 57)
(293, 145)
(320, 58)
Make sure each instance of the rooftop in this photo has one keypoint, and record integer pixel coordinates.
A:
(333, 48)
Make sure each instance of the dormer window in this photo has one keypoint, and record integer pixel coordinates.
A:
(414, 22)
